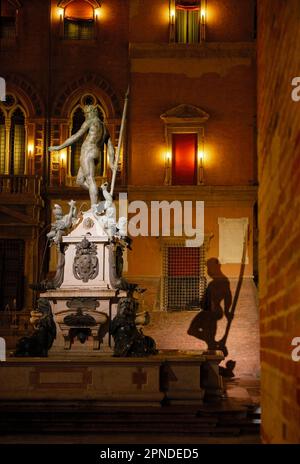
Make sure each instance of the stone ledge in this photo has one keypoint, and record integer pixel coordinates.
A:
(211, 194)
(203, 50)
(175, 377)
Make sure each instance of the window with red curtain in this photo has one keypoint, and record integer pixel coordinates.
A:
(184, 159)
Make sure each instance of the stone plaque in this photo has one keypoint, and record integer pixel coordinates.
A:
(233, 233)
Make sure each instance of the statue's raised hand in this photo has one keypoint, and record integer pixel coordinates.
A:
(55, 148)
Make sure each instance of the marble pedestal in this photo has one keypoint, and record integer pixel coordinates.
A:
(106, 303)
(86, 301)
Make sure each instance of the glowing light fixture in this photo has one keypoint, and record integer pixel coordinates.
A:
(60, 12)
(172, 15)
(203, 14)
(168, 160)
(63, 157)
(30, 151)
(62, 170)
(98, 13)
(201, 156)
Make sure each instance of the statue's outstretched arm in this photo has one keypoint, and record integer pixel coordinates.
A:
(74, 138)
(70, 216)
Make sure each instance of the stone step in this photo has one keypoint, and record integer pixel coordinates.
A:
(219, 419)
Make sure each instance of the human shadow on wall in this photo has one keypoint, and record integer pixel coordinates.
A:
(216, 303)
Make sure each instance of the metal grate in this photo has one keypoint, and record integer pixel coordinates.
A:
(184, 279)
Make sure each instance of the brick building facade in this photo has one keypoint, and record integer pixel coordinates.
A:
(191, 69)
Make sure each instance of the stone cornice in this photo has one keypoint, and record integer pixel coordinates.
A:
(201, 50)
(212, 195)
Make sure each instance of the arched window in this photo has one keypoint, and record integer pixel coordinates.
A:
(79, 23)
(17, 143)
(12, 136)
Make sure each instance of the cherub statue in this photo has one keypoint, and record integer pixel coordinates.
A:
(62, 223)
(105, 211)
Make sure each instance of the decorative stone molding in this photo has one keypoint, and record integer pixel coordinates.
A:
(94, 3)
(27, 93)
(185, 114)
(218, 50)
(184, 119)
(94, 84)
(211, 194)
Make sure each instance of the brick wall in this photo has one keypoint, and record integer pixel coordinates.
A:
(279, 213)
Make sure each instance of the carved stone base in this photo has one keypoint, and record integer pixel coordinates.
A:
(176, 378)
(82, 319)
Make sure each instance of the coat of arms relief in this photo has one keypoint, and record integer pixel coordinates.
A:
(86, 263)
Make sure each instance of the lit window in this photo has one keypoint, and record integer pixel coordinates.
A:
(17, 143)
(184, 156)
(187, 21)
(12, 137)
(79, 23)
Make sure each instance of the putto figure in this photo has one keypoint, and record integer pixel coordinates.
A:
(62, 223)
(90, 150)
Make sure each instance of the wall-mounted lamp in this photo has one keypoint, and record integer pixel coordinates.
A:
(201, 155)
(60, 13)
(168, 162)
(30, 153)
(172, 15)
(62, 169)
(97, 13)
(172, 20)
(203, 14)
